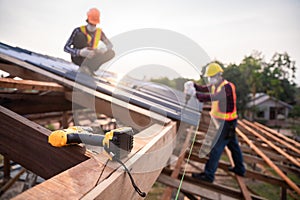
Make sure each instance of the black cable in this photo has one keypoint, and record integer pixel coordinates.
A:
(142, 194)
(102, 171)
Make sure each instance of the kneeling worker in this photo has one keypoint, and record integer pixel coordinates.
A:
(83, 44)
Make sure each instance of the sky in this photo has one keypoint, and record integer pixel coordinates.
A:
(226, 30)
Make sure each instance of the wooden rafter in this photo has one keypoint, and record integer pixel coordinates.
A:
(277, 139)
(294, 142)
(269, 162)
(272, 145)
(26, 143)
(16, 71)
(32, 103)
(30, 85)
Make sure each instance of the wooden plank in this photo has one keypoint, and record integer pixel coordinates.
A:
(17, 71)
(280, 151)
(270, 135)
(269, 162)
(297, 144)
(31, 103)
(30, 85)
(168, 191)
(26, 143)
(82, 180)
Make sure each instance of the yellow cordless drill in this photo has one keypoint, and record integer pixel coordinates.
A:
(117, 143)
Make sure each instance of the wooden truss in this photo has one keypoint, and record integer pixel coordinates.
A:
(73, 172)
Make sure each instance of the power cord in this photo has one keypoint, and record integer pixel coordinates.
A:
(142, 194)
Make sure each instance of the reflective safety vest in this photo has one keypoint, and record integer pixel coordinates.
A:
(92, 42)
(215, 108)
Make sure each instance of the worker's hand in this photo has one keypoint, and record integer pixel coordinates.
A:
(189, 88)
(85, 52)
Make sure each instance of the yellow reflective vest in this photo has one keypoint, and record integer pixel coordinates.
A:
(92, 41)
(215, 108)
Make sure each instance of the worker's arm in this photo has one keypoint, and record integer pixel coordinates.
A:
(69, 47)
(106, 41)
(218, 96)
(202, 88)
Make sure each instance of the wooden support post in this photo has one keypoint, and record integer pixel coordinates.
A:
(6, 169)
(283, 193)
(64, 120)
(11, 182)
(269, 162)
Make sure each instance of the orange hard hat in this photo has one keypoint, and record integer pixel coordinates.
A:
(93, 16)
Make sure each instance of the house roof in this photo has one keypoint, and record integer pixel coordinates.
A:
(263, 97)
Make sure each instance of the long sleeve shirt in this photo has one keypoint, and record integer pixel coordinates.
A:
(224, 96)
(69, 47)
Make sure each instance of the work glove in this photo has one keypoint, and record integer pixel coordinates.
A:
(189, 88)
(85, 52)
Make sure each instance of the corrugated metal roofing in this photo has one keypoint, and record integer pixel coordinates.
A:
(152, 96)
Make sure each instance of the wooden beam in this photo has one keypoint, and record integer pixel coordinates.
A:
(30, 85)
(295, 143)
(26, 143)
(270, 135)
(280, 151)
(84, 182)
(17, 71)
(269, 162)
(32, 103)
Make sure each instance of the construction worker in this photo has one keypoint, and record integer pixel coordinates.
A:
(83, 44)
(223, 97)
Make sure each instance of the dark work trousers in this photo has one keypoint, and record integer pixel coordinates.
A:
(80, 42)
(227, 137)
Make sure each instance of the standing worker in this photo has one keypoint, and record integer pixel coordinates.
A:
(223, 96)
(83, 44)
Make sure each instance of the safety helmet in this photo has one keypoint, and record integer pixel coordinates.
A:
(93, 16)
(212, 69)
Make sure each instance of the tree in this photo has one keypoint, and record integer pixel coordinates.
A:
(278, 78)
(251, 67)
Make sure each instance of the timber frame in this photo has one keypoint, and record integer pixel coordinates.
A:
(74, 172)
